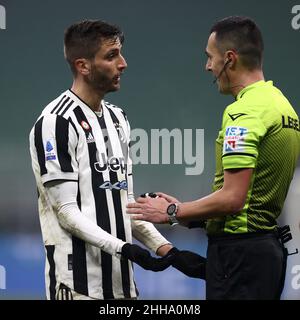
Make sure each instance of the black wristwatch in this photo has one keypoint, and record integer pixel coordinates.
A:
(172, 212)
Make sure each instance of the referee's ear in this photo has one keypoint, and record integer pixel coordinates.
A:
(82, 66)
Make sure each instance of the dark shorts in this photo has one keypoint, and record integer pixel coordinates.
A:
(245, 267)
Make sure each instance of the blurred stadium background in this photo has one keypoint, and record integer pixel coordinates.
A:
(165, 86)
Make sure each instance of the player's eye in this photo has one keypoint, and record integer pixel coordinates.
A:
(111, 55)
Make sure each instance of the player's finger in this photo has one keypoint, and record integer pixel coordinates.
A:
(166, 196)
(141, 200)
(134, 211)
(137, 204)
(134, 205)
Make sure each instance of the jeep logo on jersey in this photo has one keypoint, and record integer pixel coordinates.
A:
(112, 163)
(120, 185)
(234, 139)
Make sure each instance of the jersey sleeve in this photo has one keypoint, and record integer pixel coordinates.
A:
(146, 233)
(242, 134)
(55, 142)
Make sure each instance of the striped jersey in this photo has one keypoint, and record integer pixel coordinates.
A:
(260, 130)
(71, 142)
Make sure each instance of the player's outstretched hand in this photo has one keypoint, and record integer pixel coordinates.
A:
(143, 258)
(188, 262)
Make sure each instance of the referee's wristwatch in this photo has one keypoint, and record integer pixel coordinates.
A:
(172, 212)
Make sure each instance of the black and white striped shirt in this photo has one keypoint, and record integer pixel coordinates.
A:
(70, 142)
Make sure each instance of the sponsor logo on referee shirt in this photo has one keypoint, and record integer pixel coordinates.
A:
(234, 116)
(234, 139)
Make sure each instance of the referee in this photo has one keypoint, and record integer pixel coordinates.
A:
(256, 154)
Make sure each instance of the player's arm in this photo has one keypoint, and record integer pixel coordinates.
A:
(62, 195)
(148, 235)
(228, 200)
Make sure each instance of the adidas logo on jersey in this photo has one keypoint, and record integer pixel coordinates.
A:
(90, 138)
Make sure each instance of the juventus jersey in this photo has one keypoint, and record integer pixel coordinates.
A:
(70, 142)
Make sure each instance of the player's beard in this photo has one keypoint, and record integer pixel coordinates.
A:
(99, 81)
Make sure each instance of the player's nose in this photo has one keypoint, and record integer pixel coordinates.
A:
(122, 63)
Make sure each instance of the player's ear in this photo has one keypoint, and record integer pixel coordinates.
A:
(83, 66)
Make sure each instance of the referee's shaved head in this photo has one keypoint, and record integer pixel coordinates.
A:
(242, 35)
(83, 39)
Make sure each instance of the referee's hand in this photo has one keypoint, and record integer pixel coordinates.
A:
(143, 258)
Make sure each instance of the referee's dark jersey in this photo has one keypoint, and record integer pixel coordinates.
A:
(70, 142)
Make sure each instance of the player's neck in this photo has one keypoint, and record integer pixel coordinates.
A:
(87, 94)
(245, 79)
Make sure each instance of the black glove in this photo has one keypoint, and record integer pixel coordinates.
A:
(188, 262)
(143, 258)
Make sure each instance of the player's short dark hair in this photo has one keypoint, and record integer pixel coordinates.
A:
(83, 39)
(242, 35)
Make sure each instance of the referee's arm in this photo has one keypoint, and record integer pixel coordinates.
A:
(230, 199)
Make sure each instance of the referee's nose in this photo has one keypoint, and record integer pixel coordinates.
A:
(208, 66)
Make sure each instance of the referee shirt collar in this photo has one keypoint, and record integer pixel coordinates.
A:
(254, 85)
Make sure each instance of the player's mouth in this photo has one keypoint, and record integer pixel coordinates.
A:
(117, 78)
